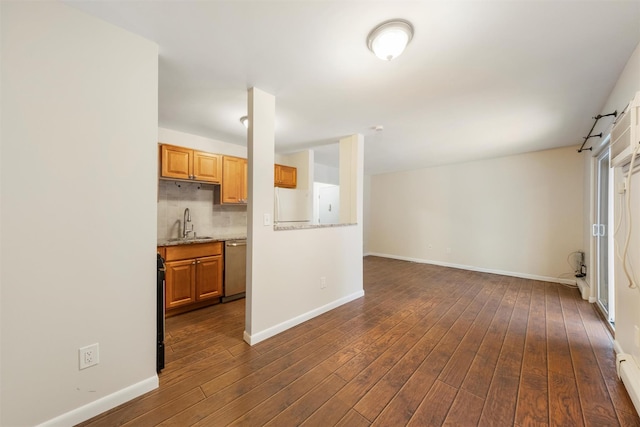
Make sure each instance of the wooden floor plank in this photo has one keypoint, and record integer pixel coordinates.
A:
(533, 400)
(457, 367)
(435, 406)
(534, 360)
(501, 398)
(167, 410)
(478, 377)
(427, 345)
(558, 355)
(329, 414)
(353, 419)
(465, 410)
(401, 408)
(301, 409)
(233, 400)
(377, 398)
(564, 403)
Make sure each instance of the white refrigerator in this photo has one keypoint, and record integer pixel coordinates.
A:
(292, 207)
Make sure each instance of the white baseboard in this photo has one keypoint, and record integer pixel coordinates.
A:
(103, 404)
(585, 289)
(479, 269)
(274, 330)
(629, 374)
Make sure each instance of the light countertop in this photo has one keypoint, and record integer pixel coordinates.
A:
(207, 239)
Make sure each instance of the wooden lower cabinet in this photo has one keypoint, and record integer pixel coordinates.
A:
(208, 277)
(180, 283)
(193, 277)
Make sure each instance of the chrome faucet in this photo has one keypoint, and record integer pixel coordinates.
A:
(186, 218)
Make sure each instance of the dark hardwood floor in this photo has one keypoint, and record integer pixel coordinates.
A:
(426, 346)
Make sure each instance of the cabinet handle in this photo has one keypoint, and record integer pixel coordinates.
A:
(193, 263)
(198, 262)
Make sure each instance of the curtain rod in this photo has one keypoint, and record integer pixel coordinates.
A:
(586, 138)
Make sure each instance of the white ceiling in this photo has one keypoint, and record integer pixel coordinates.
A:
(480, 79)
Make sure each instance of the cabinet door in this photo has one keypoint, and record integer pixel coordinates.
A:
(180, 283)
(285, 176)
(209, 277)
(288, 176)
(245, 174)
(207, 167)
(234, 180)
(176, 162)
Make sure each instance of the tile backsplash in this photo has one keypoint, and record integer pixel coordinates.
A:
(207, 219)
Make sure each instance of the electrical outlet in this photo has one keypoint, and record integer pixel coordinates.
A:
(323, 282)
(88, 356)
(266, 219)
(448, 250)
(636, 336)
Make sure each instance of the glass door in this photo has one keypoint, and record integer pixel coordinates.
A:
(601, 233)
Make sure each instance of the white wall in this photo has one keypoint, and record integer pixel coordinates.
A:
(182, 139)
(79, 180)
(326, 174)
(285, 267)
(519, 215)
(627, 300)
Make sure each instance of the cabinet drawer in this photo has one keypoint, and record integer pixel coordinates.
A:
(195, 250)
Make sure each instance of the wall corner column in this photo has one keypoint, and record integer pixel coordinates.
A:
(260, 153)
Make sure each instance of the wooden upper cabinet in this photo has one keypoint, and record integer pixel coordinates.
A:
(176, 162)
(207, 167)
(234, 180)
(184, 163)
(285, 176)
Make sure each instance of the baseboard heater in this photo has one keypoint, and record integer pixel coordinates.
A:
(629, 374)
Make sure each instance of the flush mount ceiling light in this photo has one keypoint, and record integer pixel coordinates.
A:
(245, 121)
(389, 39)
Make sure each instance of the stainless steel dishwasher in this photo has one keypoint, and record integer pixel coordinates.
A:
(235, 269)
